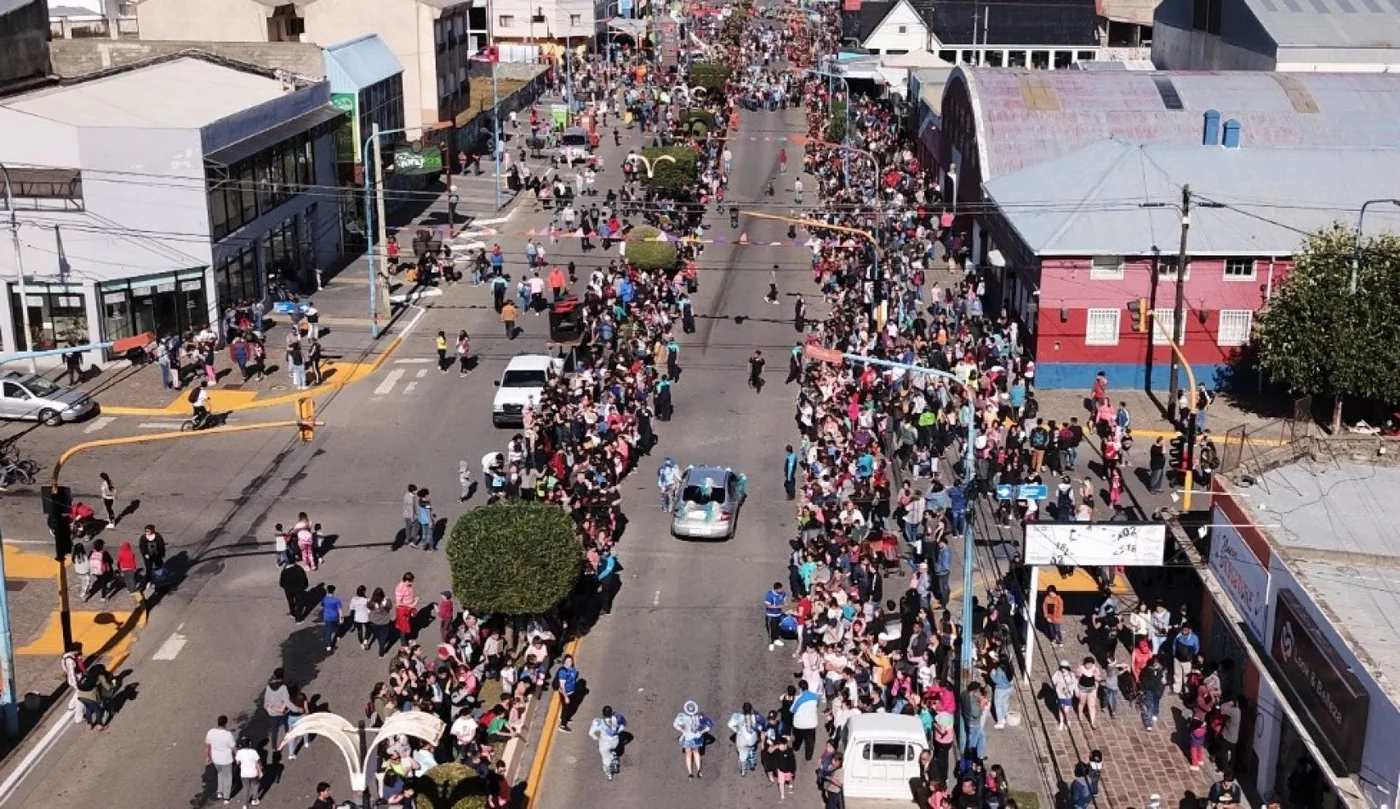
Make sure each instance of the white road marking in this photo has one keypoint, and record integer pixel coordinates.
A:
(407, 389)
(416, 295)
(656, 599)
(99, 423)
(413, 361)
(48, 542)
(422, 373)
(61, 724)
(389, 382)
(160, 425)
(172, 646)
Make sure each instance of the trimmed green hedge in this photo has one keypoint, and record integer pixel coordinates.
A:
(649, 255)
(514, 558)
(668, 177)
(451, 786)
(711, 76)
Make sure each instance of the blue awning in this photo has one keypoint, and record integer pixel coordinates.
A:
(352, 66)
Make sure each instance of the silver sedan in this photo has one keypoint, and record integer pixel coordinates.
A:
(708, 505)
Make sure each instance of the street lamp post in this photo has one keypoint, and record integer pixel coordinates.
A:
(375, 288)
(353, 743)
(651, 163)
(19, 266)
(1356, 253)
(846, 132)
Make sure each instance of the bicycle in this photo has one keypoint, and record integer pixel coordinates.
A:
(202, 422)
(23, 472)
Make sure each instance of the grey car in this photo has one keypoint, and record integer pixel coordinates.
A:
(30, 397)
(708, 505)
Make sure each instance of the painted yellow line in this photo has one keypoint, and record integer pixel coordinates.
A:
(1263, 442)
(551, 726)
(236, 400)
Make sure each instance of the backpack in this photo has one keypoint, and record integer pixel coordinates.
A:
(194, 395)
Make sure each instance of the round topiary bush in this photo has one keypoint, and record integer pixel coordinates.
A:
(514, 558)
(645, 254)
(452, 786)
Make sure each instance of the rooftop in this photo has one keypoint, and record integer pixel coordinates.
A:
(359, 63)
(1025, 117)
(1337, 523)
(1016, 22)
(1096, 197)
(184, 93)
(1329, 23)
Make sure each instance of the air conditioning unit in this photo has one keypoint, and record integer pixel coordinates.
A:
(537, 18)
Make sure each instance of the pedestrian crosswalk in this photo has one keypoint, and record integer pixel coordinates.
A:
(403, 380)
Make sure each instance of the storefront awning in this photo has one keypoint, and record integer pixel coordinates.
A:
(247, 147)
(632, 28)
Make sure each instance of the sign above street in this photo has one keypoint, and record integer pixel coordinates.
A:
(822, 354)
(1026, 491)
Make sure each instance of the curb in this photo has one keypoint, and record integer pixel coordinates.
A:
(547, 734)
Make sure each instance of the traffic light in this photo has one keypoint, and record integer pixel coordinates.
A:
(56, 506)
(1139, 308)
(1179, 454)
(306, 415)
(733, 217)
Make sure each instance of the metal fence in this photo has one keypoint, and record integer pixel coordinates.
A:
(1251, 445)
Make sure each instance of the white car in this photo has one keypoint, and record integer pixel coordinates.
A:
(524, 380)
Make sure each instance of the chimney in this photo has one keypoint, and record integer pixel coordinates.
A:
(1232, 134)
(1210, 136)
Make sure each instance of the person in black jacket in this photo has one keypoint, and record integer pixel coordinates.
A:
(294, 584)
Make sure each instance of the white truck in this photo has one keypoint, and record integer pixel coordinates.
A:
(881, 756)
(523, 381)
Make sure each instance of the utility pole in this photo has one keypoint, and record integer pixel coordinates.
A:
(381, 289)
(1178, 311)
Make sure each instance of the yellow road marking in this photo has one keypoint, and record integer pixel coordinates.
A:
(551, 726)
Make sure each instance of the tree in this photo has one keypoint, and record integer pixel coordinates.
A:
(836, 127)
(514, 558)
(711, 76)
(452, 786)
(1317, 338)
(667, 177)
(646, 254)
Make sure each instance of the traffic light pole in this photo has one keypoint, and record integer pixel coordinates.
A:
(1188, 452)
(65, 615)
(1179, 309)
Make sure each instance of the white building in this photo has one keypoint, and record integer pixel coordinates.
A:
(570, 22)
(1320, 35)
(151, 197)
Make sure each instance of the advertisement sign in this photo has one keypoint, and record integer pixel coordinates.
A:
(1241, 573)
(348, 137)
(415, 158)
(1086, 544)
(1320, 679)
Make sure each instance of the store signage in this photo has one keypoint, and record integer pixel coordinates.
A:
(415, 159)
(1329, 693)
(1241, 574)
(348, 136)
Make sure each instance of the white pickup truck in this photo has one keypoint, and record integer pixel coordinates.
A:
(523, 381)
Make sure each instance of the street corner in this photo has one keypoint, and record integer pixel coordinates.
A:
(107, 633)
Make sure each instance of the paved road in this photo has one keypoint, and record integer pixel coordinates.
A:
(210, 646)
(688, 620)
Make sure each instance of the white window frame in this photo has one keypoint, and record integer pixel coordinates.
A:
(1162, 325)
(1170, 275)
(1106, 268)
(575, 20)
(1101, 336)
(505, 21)
(1234, 316)
(1253, 269)
(903, 29)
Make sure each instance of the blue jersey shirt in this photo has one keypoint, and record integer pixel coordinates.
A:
(773, 603)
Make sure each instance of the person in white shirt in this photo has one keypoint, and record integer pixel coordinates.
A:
(250, 770)
(219, 746)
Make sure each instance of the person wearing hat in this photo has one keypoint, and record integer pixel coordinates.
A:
(1063, 681)
(693, 727)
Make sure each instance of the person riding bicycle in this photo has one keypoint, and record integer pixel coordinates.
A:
(748, 729)
(199, 399)
(606, 730)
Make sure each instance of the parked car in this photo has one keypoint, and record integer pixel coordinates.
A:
(30, 397)
(709, 502)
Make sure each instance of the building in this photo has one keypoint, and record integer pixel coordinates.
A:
(1308, 582)
(1075, 178)
(1282, 35)
(435, 76)
(151, 197)
(367, 84)
(1009, 33)
(110, 19)
(24, 44)
(567, 22)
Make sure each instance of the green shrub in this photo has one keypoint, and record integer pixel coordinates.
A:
(836, 127)
(452, 786)
(670, 177)
(645, 254)
(705, 117)
(711, 76)
(514, 558)
(698, 129)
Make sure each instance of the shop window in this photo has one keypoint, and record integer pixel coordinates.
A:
(993, 58)
(57, 316)
(218, 213)
(1063, 59)
(247, 189)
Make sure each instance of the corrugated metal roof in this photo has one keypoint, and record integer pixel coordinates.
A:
(1329, 23)
(1116, 197)
(1017, 128)
(357, 64)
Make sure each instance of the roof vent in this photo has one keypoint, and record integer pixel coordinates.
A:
(1210, 135)
(1170, 99)
(1232, 134)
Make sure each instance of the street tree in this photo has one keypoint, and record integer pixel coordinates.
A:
(514, 558)
(669, 177)
(646, 252)
(711, 76)
(1317, 338)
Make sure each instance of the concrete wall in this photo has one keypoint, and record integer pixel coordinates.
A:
(24, 43)
(212, 20)
(78, 57)
(1176, 48)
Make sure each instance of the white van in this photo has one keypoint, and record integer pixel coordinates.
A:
(882, 755)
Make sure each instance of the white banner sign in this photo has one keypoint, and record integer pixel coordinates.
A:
(1240, 573)
(1080, 544)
